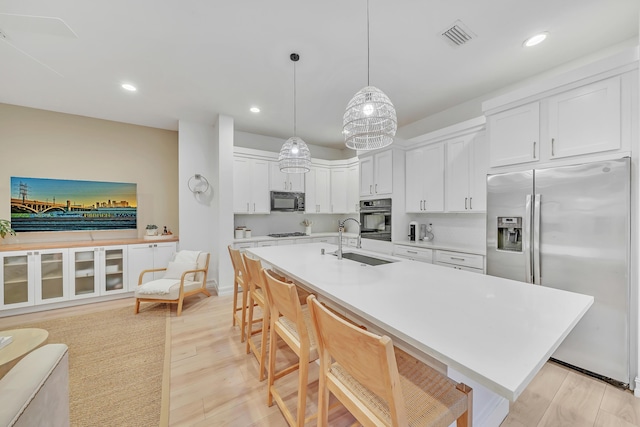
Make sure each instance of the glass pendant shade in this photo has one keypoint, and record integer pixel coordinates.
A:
(295, 156)
(370, 120)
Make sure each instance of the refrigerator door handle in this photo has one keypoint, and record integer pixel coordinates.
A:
(536, 239)
(526, 240)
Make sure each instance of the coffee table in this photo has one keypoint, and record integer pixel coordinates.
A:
(24, 341)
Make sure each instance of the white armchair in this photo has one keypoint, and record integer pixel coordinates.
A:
(185, 275)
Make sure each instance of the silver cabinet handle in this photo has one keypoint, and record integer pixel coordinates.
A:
(553, 151)
(465, 203)
(534, 149)
(371, 189)
(376, 188)
(470, 200)
(254, 207)
(412, 252)
(457, 258)
(420, 204)
(247, 206)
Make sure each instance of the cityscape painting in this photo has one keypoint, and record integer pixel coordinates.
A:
(41, 204)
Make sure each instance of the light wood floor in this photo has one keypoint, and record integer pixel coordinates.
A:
(214, 382)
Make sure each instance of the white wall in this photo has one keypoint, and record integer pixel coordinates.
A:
(196, 156)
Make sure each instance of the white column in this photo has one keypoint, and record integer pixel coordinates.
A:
(224, 221)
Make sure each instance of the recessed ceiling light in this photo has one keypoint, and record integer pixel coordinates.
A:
(129, 87)
(534, 40)
(254, 109)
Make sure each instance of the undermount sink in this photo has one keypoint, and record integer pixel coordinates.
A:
(365, 259)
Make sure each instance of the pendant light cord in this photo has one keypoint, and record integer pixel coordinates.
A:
(368, 53)
(294, 99)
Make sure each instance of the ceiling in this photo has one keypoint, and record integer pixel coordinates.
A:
(194, 59)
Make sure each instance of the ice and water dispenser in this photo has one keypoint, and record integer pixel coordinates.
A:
(510, 233)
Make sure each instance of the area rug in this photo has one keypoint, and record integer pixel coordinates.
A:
(117, 361)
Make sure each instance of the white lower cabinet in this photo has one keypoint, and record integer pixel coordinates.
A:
(460, 261)
(98, 271)
(33, 277)
(148, 256)
(413, 253)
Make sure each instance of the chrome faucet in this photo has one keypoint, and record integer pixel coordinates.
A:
(341, 230)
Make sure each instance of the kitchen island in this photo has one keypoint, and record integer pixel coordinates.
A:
(493, 334)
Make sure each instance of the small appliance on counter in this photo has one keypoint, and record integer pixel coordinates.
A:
(412, 231)
(426, 232)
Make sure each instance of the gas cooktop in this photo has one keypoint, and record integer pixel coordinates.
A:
(294, 234)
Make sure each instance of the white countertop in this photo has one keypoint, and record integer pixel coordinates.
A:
(496, 331)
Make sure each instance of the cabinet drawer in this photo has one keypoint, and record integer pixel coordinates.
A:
(418, 254)
(457, 267)
(461, 259)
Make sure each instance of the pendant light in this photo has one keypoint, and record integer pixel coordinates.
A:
(370, 120)
(294, 154)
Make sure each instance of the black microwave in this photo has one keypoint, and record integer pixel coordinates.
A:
(287, 202)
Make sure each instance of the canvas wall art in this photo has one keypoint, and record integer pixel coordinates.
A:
(41, 204)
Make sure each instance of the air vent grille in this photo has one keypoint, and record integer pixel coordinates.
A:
(457, 34)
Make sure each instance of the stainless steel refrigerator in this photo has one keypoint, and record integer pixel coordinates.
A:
(569, 228)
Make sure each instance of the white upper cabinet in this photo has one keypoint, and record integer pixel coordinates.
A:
(250, 186)
(353, 188)
(424, 179)
(466, 173)
(376, 174)
(515, 135)
(339, 190)
(586, 119)
(575, 119)
(281, 181)
(318, 190)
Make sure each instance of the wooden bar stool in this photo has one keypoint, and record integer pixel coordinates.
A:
(257, 297)
(291, 322)
(239, 279)
(380, 384)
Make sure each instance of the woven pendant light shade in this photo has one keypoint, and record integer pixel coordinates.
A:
(370, 120)
(295, 156)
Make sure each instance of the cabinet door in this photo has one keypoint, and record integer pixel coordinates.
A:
(458, 174)
(296, 182)
(310, 200)
(84, 272)
(415, 179)
(353, 189)
(16, 278)
(479, 167)
(278, 181)
(366, 176)
(383, 173)
(114, 270)
(323, 190)
(147, 257)
(339, 190)
(242, 180)
(260, 187)
(515, 135)
(585, 120)
(51, 281)
(433, 175)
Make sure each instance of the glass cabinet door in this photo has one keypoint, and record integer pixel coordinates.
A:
(51, 283)
(84, 272)
(114, 270)
(15, 280)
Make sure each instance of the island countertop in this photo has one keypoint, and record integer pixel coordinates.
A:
(496, 331)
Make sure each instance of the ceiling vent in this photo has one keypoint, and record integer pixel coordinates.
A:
(457, 34)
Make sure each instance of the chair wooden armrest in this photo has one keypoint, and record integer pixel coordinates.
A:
(142, 273)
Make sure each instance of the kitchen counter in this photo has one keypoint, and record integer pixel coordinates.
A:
(476, 250)
(496, 332)
(263, 238)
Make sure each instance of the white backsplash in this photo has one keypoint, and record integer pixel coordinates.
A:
(455, 229)
(286, 222)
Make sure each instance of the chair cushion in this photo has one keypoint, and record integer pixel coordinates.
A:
(175, 270)
(167, 289)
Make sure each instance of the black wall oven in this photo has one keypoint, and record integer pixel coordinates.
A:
(375, 219)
